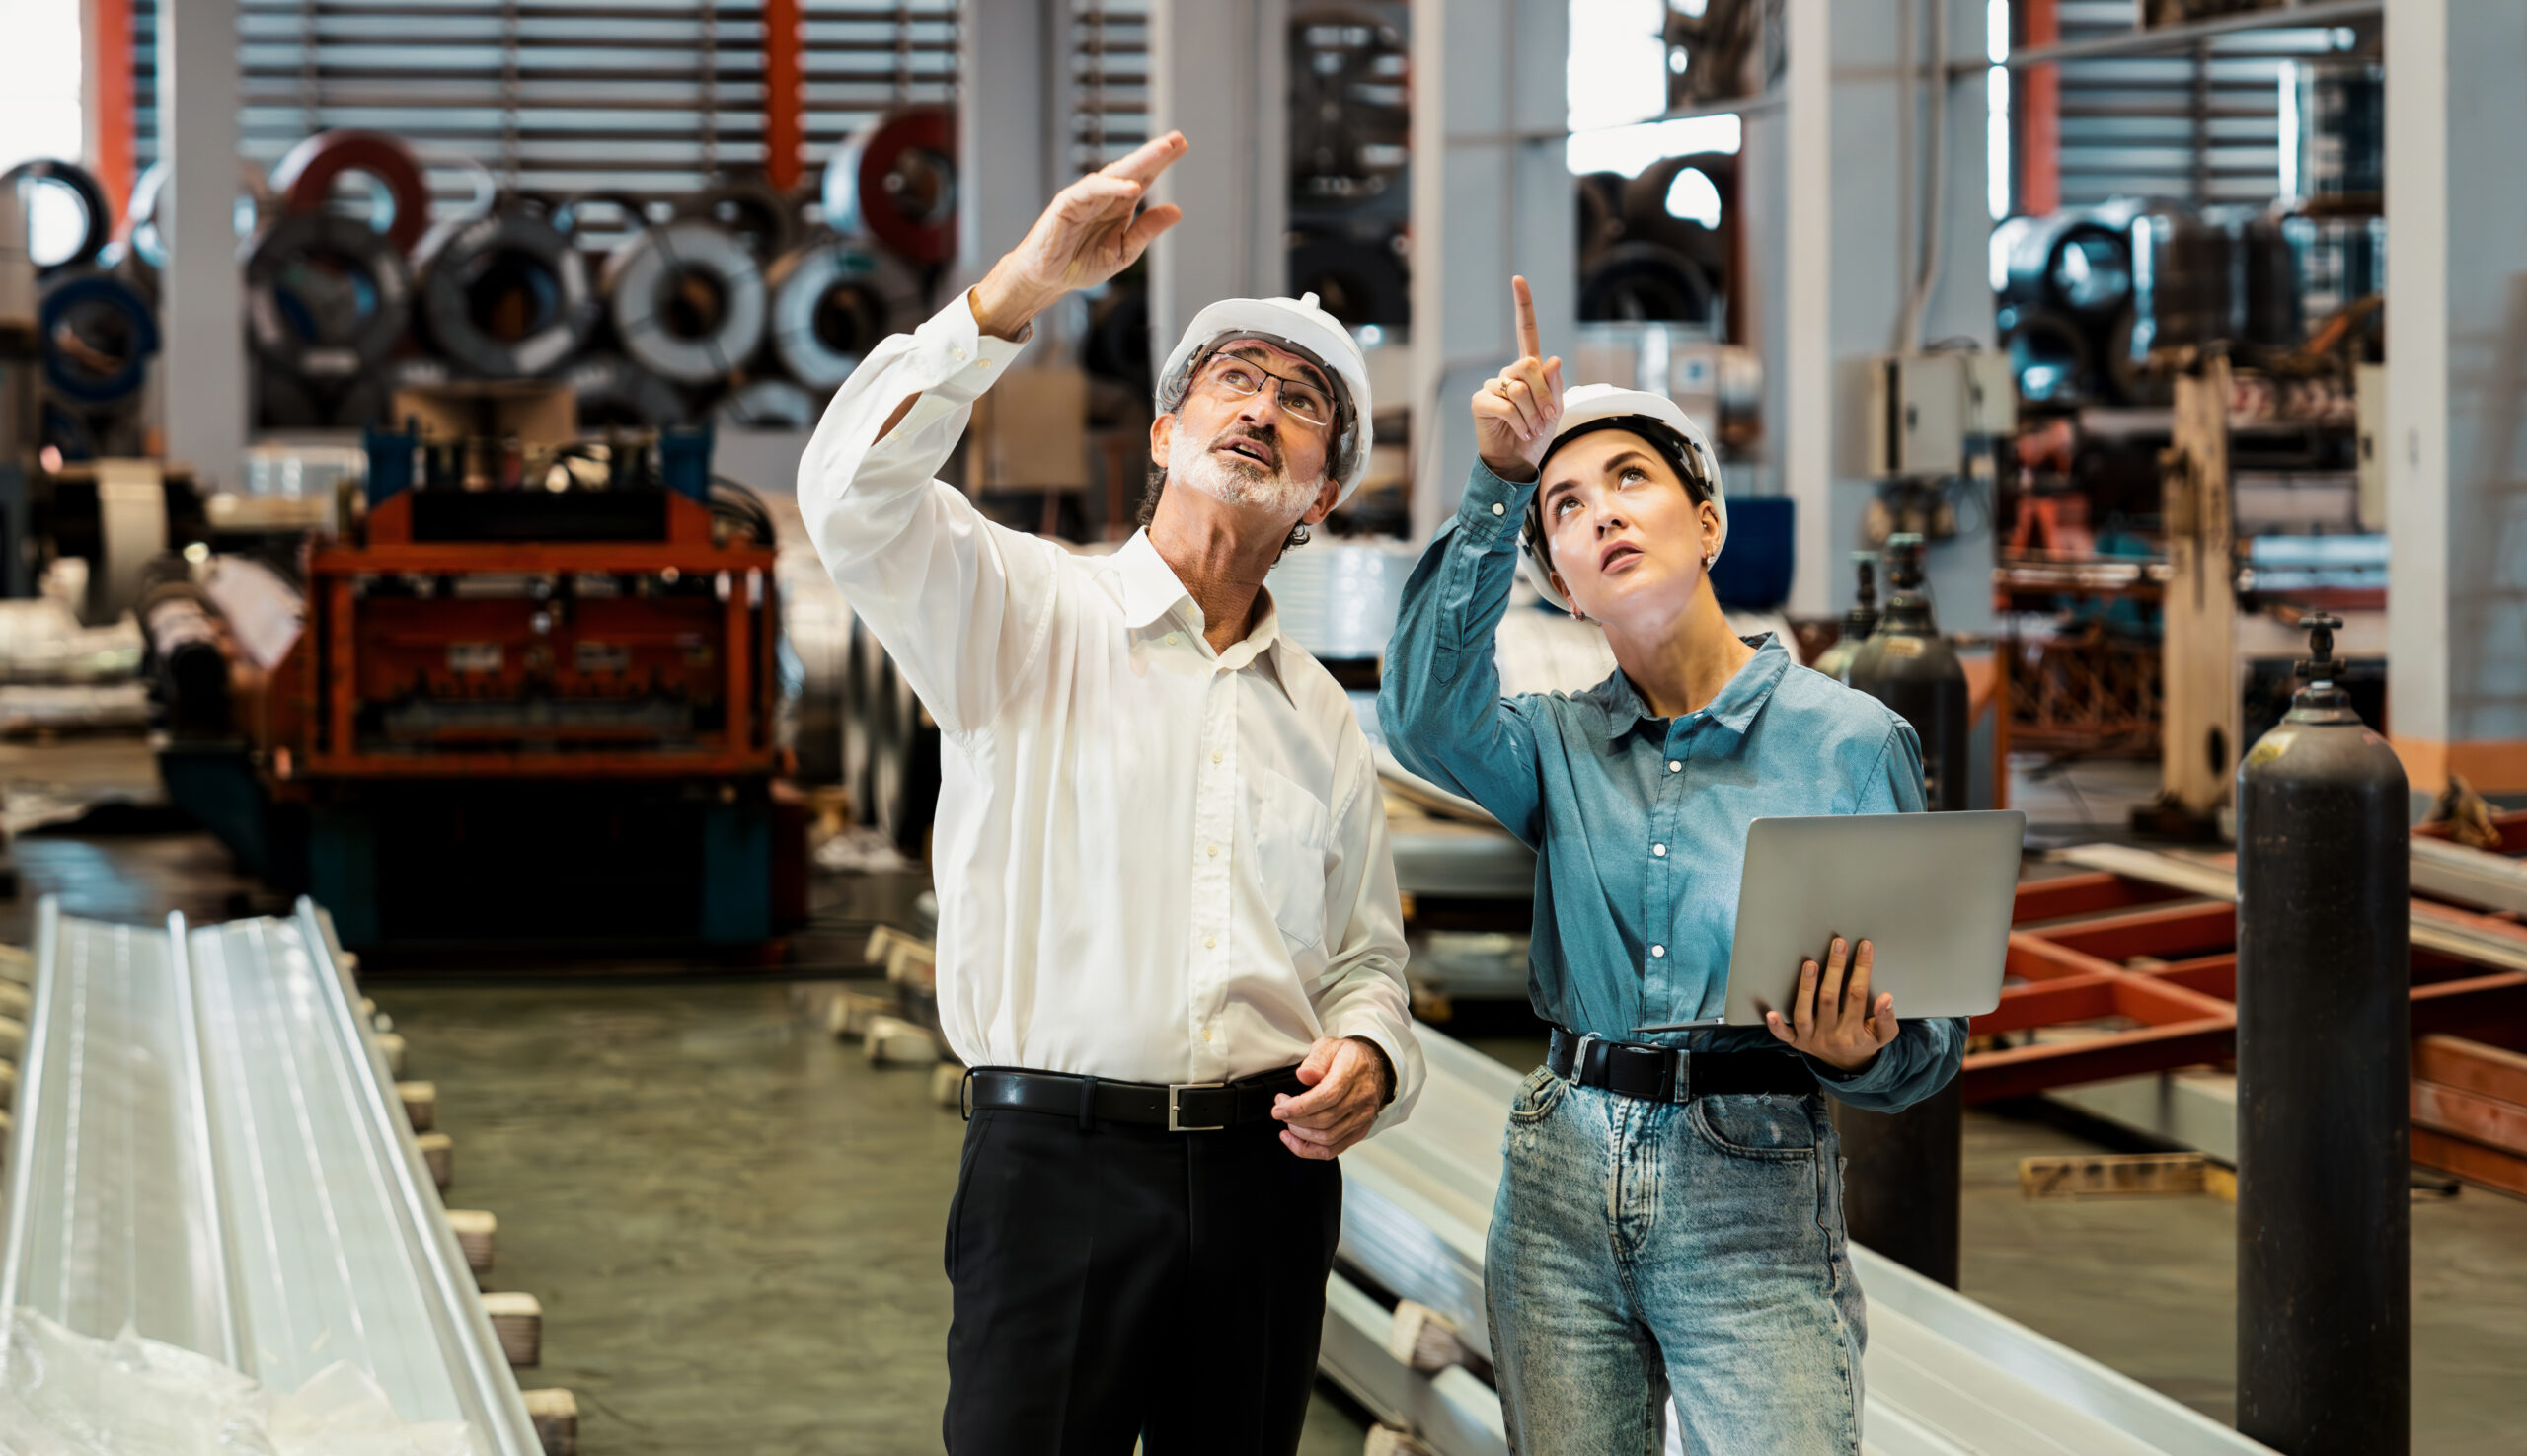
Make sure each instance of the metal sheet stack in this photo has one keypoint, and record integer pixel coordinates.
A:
(1945, 1376)
(209, 1148)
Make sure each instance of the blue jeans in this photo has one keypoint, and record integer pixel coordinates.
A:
(1640, 1249)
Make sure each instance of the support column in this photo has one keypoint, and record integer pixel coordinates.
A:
(1491, 196)
(1219, 72)
(2456, 477)
(1856, 184)
(205, 315)
(1010, 128)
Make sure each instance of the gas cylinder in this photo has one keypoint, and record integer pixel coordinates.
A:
(1908, 666)
(2325, 1223)
(1858, 623)
(1901, 1186)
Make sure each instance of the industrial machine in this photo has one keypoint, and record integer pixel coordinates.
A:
(531, 712)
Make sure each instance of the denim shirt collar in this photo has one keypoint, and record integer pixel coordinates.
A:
(1735, 708)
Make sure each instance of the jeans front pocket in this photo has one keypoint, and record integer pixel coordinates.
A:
(1536, 1097)
(1747, 1125)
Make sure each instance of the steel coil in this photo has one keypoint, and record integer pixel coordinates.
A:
(896, 180)
(1644, 281)
(687, 301)
(98, 334)
(306, 175)
(832, 301)
(96, 214)
(764, 218)
(325, 297)
(1358, 282)
(768, 404)
(2073, 264)
(506, 295)
(614, 392)
(2048, 357)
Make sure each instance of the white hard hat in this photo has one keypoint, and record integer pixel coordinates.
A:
(1300, 326)
(1589, 407)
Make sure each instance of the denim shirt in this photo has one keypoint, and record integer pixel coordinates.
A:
(1639, 824)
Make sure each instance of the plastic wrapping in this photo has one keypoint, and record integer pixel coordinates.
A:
(68, 1395)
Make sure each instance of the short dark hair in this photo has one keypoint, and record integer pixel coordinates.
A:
(1300, 535)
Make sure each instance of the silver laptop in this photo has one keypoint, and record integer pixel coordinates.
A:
(1931, 894)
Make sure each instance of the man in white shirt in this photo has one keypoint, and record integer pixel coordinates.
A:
(1170, 942)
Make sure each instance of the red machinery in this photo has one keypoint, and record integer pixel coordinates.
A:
(524, 713)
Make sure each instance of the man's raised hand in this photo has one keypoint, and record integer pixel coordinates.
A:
(1516, 409)
(1089, 234)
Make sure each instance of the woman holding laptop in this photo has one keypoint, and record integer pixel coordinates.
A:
(1671, 1210)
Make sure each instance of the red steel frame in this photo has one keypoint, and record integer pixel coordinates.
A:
(2153, 972)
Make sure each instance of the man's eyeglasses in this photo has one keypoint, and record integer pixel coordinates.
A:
(1238, 378)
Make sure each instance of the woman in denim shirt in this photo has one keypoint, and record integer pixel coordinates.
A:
(1671, 1209)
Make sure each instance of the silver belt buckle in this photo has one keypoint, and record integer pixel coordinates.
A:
(1176, 1090)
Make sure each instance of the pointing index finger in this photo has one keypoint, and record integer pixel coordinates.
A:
(1529, 345)
(1150, 159)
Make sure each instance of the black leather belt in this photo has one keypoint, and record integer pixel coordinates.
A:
(1669, 1074)
(1184, 1107)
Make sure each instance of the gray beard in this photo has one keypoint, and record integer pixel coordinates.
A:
(1191, 461)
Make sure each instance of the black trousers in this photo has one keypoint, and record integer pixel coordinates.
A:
(1125, 1282)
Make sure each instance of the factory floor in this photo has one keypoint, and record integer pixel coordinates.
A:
(733, 1222)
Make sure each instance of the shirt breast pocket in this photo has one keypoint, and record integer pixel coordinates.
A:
(1291, 828)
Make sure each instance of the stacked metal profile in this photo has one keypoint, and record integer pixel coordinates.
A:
(209, 1151)
(1945, 1376)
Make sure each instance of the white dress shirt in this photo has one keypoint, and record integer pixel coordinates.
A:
(1155, 861)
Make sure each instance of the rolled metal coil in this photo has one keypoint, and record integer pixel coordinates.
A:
(688, 301)
(325, 297)
(99, 333)
(285, 402)
(97, 216)
(613, 390)
(1645, 281)
(1358, 281)
(768, 221)
(832, 301)
(769, 404)
(306, 175)
(896, 180)
(2074, 263)
(507, 296)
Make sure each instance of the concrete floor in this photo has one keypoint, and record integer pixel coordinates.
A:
(733, 1222)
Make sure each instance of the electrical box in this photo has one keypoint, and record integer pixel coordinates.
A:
(1913, 416)
(1991, 395)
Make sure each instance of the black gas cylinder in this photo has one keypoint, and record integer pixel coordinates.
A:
(1901, 1186)
(2325, 1223)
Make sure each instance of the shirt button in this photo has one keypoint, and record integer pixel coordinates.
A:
(1499, 509)
(1659, 850)
(1675, 765)
(1657, 953)
(1210, 942)
(957, 351)
(1206, 1033)
(1173, 639)
(1215, 851)
(1216, 755)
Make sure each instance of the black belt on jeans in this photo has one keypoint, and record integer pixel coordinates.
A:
(1670, 1074)
(1184, 1107)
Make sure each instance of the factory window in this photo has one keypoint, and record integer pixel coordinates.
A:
(648, 97)
(40, 116)
(2204, 127)
(1110, 79)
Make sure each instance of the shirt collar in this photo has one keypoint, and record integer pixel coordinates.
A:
(1735, 708)
(1150, 587)
(1151, 590)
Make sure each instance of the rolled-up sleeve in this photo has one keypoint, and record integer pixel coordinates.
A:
(1925, 1054)
(959, 603)
(1363, 992)
(1440, 696)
